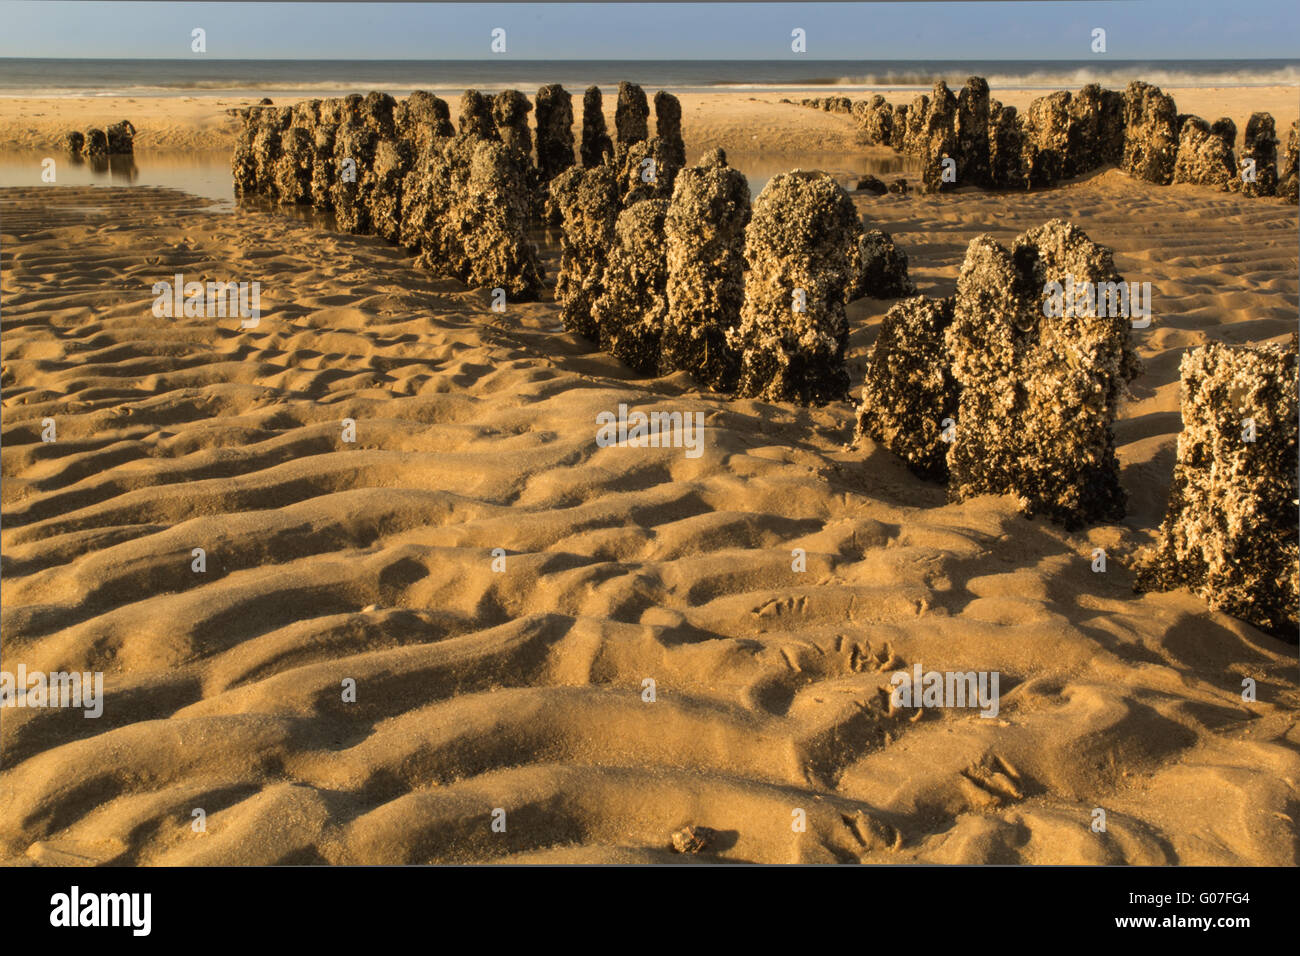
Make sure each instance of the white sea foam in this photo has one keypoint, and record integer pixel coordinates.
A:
(323, 78)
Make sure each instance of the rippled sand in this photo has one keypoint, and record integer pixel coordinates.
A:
(524, 689)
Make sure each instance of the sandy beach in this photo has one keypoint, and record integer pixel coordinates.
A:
(735, 121)
(740, 121)
(523, 687)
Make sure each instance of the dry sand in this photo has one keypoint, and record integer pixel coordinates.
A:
(523, 690)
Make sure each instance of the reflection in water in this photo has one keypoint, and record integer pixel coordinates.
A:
(123, 169)
(206, 173)
(847, 168)
(316, 218)
(893, 165)
(120, 169)
(203, 173)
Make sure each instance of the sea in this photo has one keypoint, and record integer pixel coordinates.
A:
(106, 77)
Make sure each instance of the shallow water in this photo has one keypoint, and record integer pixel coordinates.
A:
(206, 173)
(847, 168)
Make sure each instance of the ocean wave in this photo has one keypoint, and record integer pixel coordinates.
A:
(85, 78)
(1118, 76)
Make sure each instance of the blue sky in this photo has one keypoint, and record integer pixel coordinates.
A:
(1136, 29)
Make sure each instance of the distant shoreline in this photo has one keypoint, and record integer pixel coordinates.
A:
(192, 77)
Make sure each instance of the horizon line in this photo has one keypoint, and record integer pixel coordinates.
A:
(791, 58)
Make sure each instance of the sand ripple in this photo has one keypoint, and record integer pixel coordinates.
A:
(523, 689)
